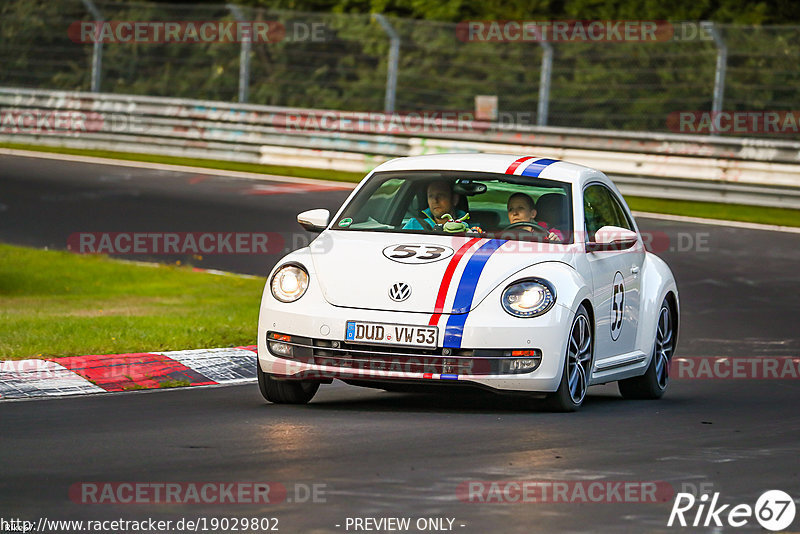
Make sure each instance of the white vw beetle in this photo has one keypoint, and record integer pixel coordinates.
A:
(518, 274)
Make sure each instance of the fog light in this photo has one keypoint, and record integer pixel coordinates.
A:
(522, 361)
(281, 349)
(523, 364)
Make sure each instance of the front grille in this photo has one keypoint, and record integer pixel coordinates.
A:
(398, 359)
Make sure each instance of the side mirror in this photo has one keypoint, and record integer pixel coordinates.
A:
(612, 238)
(314, 220)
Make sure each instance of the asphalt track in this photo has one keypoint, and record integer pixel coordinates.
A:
(384, 454)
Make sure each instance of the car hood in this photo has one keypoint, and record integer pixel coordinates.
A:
(445, 274)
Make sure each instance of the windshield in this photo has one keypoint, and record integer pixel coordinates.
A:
(466, 203)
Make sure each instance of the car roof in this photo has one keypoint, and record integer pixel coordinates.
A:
(549, 168)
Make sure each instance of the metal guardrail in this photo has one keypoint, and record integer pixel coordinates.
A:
(734, 170)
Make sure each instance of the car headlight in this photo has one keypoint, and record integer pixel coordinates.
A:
(289, 283)
(528, 298)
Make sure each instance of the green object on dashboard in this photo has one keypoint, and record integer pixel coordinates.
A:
(455, 226)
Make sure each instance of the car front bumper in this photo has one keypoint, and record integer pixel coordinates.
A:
(488, 333)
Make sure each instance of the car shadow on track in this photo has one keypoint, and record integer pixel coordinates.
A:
(463, 401)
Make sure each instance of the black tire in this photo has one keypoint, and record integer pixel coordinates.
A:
(285, 391)
(577, 366)
(653, 383)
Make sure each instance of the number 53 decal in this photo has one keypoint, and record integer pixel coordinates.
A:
(417, 253)
(617, 306)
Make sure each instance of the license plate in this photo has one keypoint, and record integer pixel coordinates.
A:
(392, 334)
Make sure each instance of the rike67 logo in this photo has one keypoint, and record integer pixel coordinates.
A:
(774, 510)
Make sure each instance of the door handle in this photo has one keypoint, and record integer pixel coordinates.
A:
(635, 269)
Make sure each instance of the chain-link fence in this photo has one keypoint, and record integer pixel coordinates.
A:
(360, 62)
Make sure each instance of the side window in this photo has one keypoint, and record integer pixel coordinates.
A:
(601, 208)
(623, 221)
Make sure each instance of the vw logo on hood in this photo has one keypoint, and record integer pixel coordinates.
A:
(399, 291)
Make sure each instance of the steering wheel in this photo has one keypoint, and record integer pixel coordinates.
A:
(426, 225)
(533, 226)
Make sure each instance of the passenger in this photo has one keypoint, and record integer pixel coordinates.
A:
(522, 209)
(441, 201)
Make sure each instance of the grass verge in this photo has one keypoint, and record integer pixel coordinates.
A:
(708, 210)
(60, 304)
(716, 210)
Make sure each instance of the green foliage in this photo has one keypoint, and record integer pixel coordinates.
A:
(620, 86)
(62, 304)
(726, 11)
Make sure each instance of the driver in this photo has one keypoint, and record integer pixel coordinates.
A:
(522, 209)
(441, 200)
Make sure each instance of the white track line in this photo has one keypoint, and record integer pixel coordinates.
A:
(717, 222)
(175, 168)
